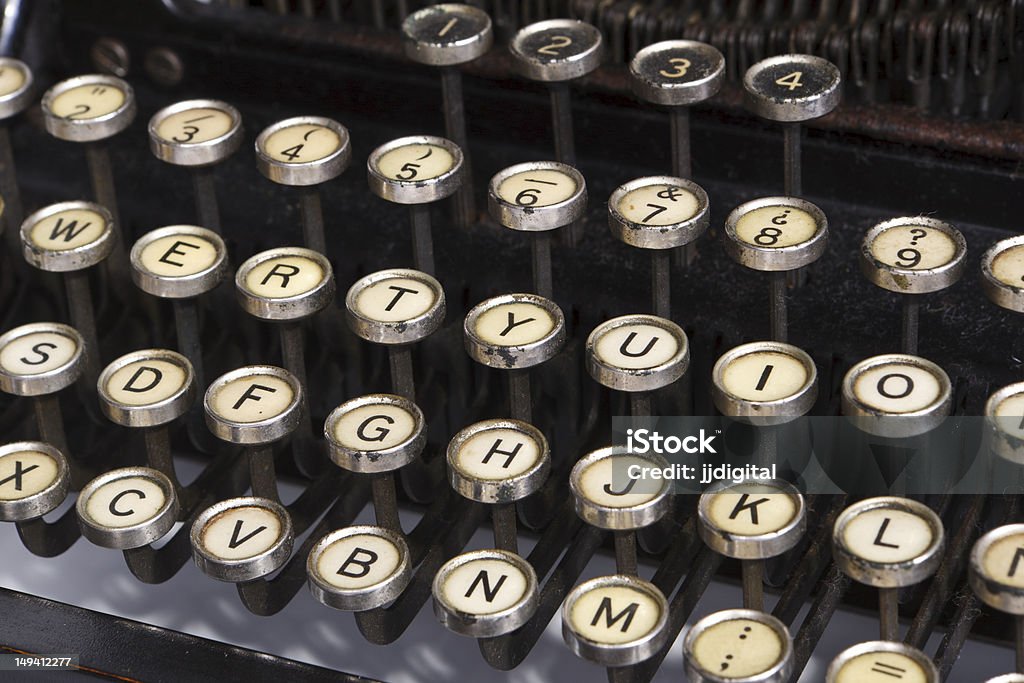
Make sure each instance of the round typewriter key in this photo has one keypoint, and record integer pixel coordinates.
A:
(197, 134)
(69, 238)
(912, 256)
(485, 593)
(677, 74)
(882, 661)
(305, 151)
(791, 89)
(537, 197)
(499, 462)
(888, 543)
(1004, 422)
(127, 508)
(416, 171)
(896, 395)
(615, 620)
(16, 94)
(447, 35)
(39, 360)
(637, 354)
(554, 52)
(738, 645)
(997, 578)
(776, 235)
(515, 332)
(358, 568)
(397, 307)
(1007, 678)
(242, 539)
(610, 491)
(752, 521)
(377, 434)
(34, 479)
(659, 213)
(765, 383)
(1002, 273)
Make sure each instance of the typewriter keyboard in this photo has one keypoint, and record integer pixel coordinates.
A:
(323, 322)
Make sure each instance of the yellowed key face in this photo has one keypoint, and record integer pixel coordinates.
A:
(537, 188)
(636, 346)
(91, 101)
(775, 227)
(751, 510)
(615, 615)
(882, 667)
(375, 427)
(146, 382)
(125, 502)
(358, 562)
(897, 388)
(497, 454)
(606, 482)
(12, 79)
(888, 536)
(284, 277)
(415, 162)
(37, 353)
(301, 144)
(1008, 266)
(252, 399)
(179, 256)
(1009, 415)
(195, 126)
(26, 473)
(484, 586)
(240, 533)
(395, 299)
(659, 205)
(913, 247)
(1003, 561)
(66, 230)
(514, 324)
(764, 376)
(738, 648)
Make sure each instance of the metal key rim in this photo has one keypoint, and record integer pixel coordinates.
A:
(542, 218)
(762, 413)
(377, 460)
(358, 599)
(490, 624)
(997, 595)
(203, 153)
(285, 308)
(793, 109)
(752, 546)
(183, 287)
(646, 236)
(896, 425)
(136, 535)
(777, 672)
(1000, 293)
(247, 568)
(505, 490)
(771, 259)
(76, 258)
(41, 502)
(415, 191)
(400, 331)
(258, 432)
(154, 414)
(447, 54)
(575, 67)
(20, 99)
(861, 649)
(304, 173)
(677, 94)
(638, 379)
(48, 382)
(909, 280)
(91, 129)
(514, 356)
(619, 518)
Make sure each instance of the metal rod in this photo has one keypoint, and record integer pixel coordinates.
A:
(102, 175)
(403, 381)
(640, 404)
(625, 552)
(679, 125)
(422, 240)
(13, 211)
(455, 128)
(561, 120)
(50, 422)
(262, 478)
(791, 159)
(543, 278)
(503, 518)
(83, 319)
(293, 355)
(1019, 644)
(661, 283)
(911, 318)
(753, 584)
(777, 311)
(889, 613)
(520, 399)
(186, 325)
(206, 198)
(158, 452)
(312, 220)
(385, 502)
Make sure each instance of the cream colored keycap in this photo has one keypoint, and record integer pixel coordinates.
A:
(179, 255)
(914, 247)
(303, 143)
(374, 427)
(146, 382)
(241, 532)
(415, 162)
(764, 376)
(497, 454)
(514, 324)
(284, 277)
(195, 126)
(537, 188)
(636, 347)
(605, 481)
(774, 227)
(659, 205)
(70, 229)
(12, 78)
(738, 648)
(253, 398)
(1008, 266)
(395, 299)
(37, 353)
(359, 561)
(752, 509)
(888, 536)
(1009, 415)
(614, 614)
(882, 667)
(896, 388)
(26, 473)
(484, 586)
(89, 101)
(125, 502)
(1003, 561)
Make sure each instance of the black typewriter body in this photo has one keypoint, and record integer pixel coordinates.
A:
(930, 124)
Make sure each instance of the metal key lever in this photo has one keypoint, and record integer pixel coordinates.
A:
(49, 539)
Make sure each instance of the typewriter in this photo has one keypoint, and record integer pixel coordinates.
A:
(514, 340)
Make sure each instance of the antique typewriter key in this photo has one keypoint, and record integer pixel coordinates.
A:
(485, 593)
(198, 134)
(127, 508)
(242, 539)
(791, 89)
(776, 235)
(286, 286)
(358, 568)
(1007, 678)
(738, 644)
(304, 152)
(416, 171)
(888, 543)
(555, 52)
(677, 74)
(515, 332)
(69, 238)
(34, 479)
(40, 360)
(538, 197)
(896, 396)
(16, 95)
(1004, 414)
(181, 263)
(615, 620)
(752, 521)
(913, 256)
(637, 354)
(659, 213)
(377, 434)
(255, 406)
(607, 495)
(997, 577)
(396, 307)
(149, 389)
(1002, 273)
(91, 109)
(499, 462)
(764, 383)
(447, 35)
(882, 661)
